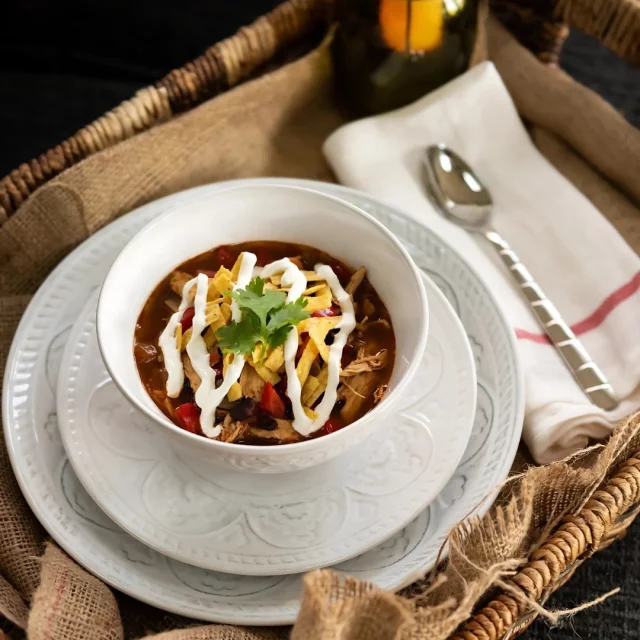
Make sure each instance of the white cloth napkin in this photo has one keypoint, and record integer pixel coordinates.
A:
(582, 264)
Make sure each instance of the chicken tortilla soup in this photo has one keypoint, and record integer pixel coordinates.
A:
(264, 343)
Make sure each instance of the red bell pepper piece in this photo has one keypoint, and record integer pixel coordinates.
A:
(214, 358)
(330, 426)
(271, 402)
(333, 310)
(188, 416)
(187, 319)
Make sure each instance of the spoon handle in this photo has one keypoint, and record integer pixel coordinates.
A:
(586, 372)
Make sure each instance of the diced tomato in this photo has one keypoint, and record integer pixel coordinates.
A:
(333, 310)
(263, 256)
(214, 357)
(188, 416)
(218, 368)
(297, 262)
(330, 426)
(226, 257)
(271, 402)
(207, 272)
(187, 318)
(341, 271)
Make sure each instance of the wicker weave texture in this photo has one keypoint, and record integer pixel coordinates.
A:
(541, 25)
(220, 67)
(603, 519)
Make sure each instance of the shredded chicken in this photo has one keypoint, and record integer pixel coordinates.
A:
(368, 308)
(232, 430)
(190, 372)
(284, 432)
(356, 280)
(355, 395)
(251, 383)
(348, 386)
(172, 304)
(366, 325)
(378, 394)
(178, 280)
(365, 364)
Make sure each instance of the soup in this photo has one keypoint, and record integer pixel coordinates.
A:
(264, 343)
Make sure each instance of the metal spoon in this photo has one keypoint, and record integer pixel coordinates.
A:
(463, 199)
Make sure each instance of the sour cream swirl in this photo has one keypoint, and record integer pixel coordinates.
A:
(208, 397)
(169, 346)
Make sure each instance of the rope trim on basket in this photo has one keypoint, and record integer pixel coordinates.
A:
(220, 67)
(603, 519)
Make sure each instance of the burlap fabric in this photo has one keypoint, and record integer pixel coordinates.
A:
(275, 126)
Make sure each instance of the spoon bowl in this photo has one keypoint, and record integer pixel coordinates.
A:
(462, 198)
(458, 192)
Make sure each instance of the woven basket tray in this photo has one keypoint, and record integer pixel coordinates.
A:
(542, 25)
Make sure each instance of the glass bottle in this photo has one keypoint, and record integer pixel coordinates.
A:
(388, 53)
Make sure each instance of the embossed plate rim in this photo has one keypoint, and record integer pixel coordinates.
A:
(101, 556)
(397, 509)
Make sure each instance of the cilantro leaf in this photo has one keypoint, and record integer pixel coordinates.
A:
(256, 299)
(267, 319)
(290, 314)
(278, 337)
(239, 337)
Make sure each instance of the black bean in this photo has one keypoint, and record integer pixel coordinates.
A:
(339, 404)
(331, 336)
(266, 423)
(243, 409)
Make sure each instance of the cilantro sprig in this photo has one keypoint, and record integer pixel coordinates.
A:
(267, 319)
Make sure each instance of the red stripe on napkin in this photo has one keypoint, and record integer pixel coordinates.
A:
(596, 318)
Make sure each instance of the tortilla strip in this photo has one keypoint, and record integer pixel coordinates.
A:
(222, 280)
(314, 289)
(319, 390)
(275, 359)
(309, 354)
(235, 392)
(309, 387)
(186, 337)
(235, 270)
(320, 301)
(318, 328)
(266, 374)
(178, 280)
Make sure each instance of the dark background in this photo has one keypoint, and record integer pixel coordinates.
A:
(63, 64)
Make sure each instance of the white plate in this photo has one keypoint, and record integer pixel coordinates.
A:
(216, 518)
(81, 528)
